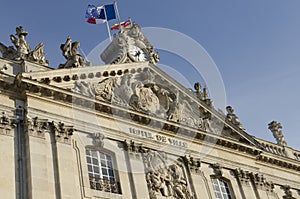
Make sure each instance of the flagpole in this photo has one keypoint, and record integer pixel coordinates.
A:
(107, 26)
(118, 15)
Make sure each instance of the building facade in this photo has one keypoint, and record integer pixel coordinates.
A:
(126, 130)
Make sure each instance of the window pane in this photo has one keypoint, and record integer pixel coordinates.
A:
(102, 156)
(104, 172)
(108, 157)
(103, 163)
(95, 161)
(88, 152)
(96, 170)
(109, 164)
(90, 168)
(88, 159)
(111, 172)
(94, 154)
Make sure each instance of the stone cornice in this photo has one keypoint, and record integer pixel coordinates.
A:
(280, 161)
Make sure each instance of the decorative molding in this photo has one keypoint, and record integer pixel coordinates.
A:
(261, 183)
(62, 133)
(133, 147)
(7, 125)
(242, 175)
(278, 162)
(192, 163)
(36, 127)
(98, 140)
(217, 169)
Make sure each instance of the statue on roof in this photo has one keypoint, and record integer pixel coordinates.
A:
(70, 52)
(275, 128)
(22, 49)
(232, 118)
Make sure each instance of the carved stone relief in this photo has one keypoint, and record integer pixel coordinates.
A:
(165, 180)
(23, 51)
(98, 140)
(130, 45)
(217, 169)
(145, 92)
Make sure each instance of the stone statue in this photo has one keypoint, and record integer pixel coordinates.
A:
(199, 93)
(232, 118)
(70, 52)
(20, 43)
(275, 128)
(23, 51)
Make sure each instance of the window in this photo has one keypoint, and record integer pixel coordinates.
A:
(101, 171)
(221, 189)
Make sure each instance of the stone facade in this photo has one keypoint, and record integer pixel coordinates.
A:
(129, 130)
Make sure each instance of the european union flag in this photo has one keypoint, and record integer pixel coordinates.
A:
(101, 14)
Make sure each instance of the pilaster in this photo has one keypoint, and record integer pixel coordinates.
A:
(7, 161)
(67, 186)
(38, 164)
(137, 169)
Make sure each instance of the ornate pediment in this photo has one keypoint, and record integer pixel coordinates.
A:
(145, 89)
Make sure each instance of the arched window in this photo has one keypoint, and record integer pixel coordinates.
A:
(221, 188)
(101, 171)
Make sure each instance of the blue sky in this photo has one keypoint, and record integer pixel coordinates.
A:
(255, 44)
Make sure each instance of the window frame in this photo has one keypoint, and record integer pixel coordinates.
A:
(224, 188)
(98, 180)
